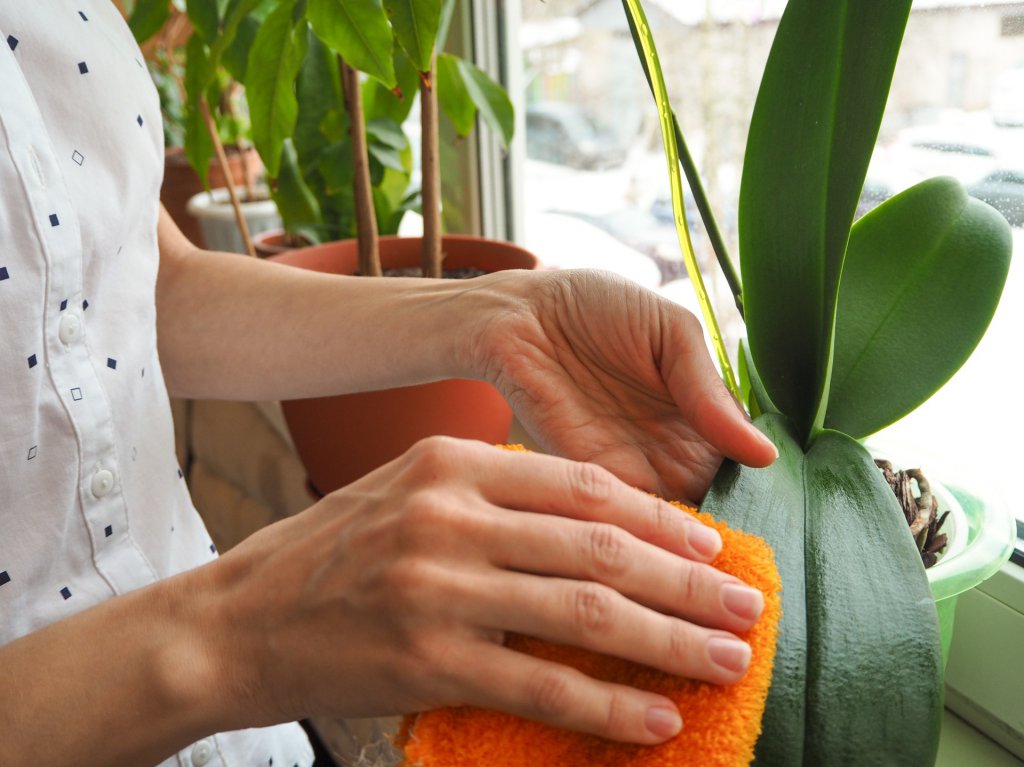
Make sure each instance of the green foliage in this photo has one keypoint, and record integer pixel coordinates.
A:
(291, 77)
(858, 670)
(850, 327)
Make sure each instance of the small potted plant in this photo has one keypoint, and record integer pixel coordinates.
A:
(329, 87)
(164, 31)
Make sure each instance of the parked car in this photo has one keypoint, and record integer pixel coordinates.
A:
(1003, 189)
(564, 134)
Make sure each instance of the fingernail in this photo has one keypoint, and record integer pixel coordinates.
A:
(731, 654)
(663, 722)
(704, 540)
(742, 601)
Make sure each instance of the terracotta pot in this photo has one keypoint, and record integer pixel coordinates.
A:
(339, 439)
(273, 242)
(181, 184)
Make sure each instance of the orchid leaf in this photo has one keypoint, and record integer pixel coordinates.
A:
(811, 136)
(829, 516)
(922, 278)
(416, 23)
(358, 30)
(274, 62)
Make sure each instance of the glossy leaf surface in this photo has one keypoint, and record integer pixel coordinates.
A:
(359, 31)
(490, 99)
(416, 23)
(811, 136)
(452, 95)
(858, 668)
(295, 201)
(922, 278)
(274, 62)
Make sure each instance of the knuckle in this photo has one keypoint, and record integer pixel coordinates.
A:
(691, 586)
(680, 645)
(550, 693)
(593, 610)
(433, 457)
(619, 714)
(591, 485)
(605, 548)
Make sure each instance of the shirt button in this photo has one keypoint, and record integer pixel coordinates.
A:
(70, 329)
(102, 483)
(202, 753)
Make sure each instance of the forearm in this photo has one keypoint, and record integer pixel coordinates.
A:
(128, 682)
(237, 328)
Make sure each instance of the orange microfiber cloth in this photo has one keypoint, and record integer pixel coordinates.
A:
(721, 724)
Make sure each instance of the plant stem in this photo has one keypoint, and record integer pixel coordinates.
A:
(366, 219)
(642, 34)
(222, 160)
(431, 175)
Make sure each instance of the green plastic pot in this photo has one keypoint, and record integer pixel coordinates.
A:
(982, 540)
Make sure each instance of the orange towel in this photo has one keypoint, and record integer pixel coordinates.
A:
(721, 724)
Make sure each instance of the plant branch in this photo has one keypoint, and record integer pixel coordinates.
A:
(222, 160)
(366, 219)
(431, 175)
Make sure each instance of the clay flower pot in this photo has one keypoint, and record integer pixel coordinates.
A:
(342, 438)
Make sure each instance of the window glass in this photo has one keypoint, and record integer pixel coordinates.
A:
(596, 186)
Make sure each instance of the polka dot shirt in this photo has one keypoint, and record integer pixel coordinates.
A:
(92, 501)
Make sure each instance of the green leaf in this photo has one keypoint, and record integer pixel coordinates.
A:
(204, 18)
(922, 278)
(387, 132)
(319, 93)
(148, 16)
(236, 55)
(198, 144)
(491, 99)
(416, 24)
(452, 95)
(387, 156)
(359, 31)
(858, 667)
(274, 62)
(293, 197)
(336, 166)
(811, 136)
(447, 12)
(379, 101)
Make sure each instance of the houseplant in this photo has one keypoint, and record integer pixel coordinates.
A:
(850, 326)
(340, 166)
(165, 31)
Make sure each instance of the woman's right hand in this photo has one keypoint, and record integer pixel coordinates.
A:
(395, 594)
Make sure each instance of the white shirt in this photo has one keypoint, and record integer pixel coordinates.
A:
(92, 501)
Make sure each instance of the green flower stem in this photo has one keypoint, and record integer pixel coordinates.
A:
(650, 56)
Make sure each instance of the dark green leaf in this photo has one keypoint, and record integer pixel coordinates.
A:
(386, 156)
(491, 99)
(236, 55)
(452, 95)
(277, 55)
(858, 667)
(198, 144)
(359, 31)
(336, 166)
(923, 274)
(379, 101)
(387, 132)
(447, 12)
(148, 16)
(811, 137)
(204, 18)
(295, 200)
(416, 23)
(319, 93)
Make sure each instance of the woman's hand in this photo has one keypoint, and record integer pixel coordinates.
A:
(395, 594)
(599, 369)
